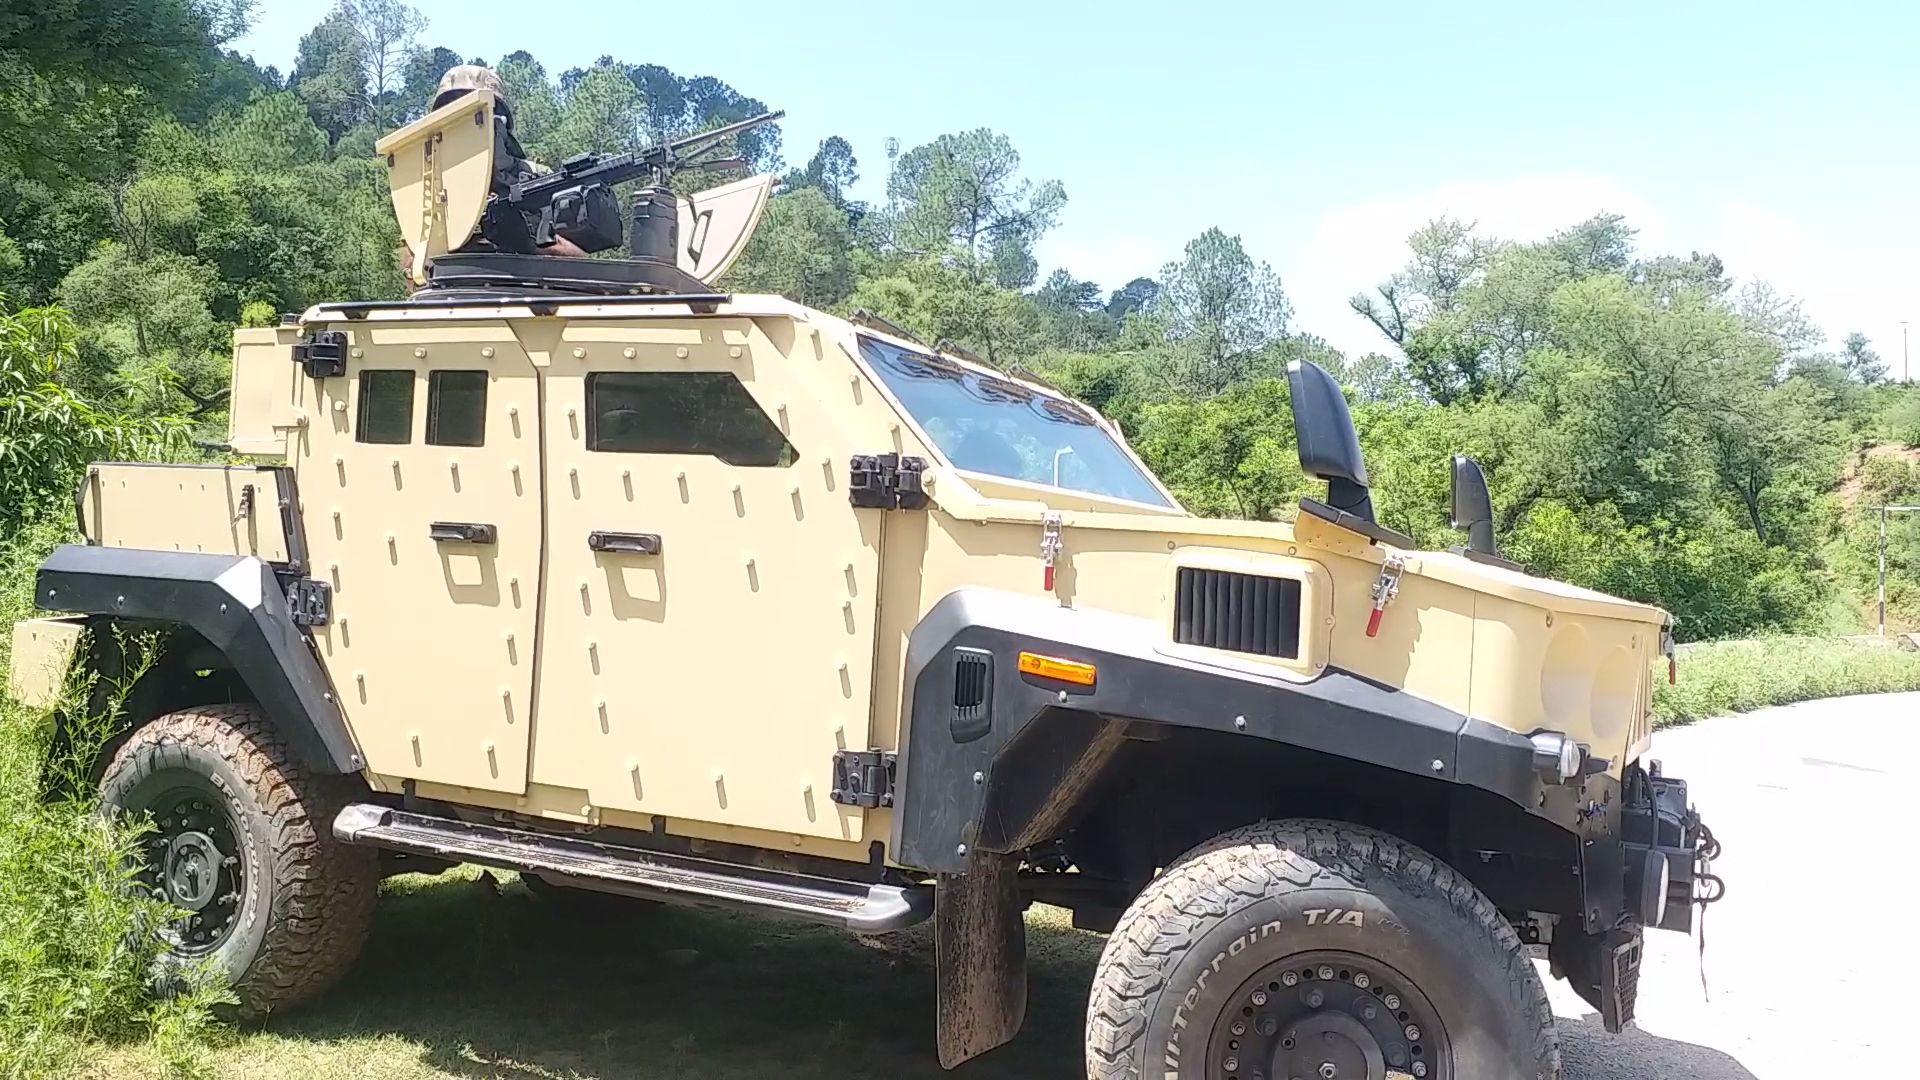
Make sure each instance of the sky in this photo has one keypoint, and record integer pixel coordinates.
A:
(1778, 136)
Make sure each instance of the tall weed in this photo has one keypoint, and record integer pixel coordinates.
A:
(78, 943)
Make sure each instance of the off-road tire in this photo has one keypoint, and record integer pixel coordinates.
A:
(1416, 915)
(306, 899)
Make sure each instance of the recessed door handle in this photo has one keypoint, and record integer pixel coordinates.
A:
(625, 542)
(463, 532)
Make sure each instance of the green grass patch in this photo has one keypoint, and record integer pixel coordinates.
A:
(1739, 676)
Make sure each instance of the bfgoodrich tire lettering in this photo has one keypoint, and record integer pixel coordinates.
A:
(302, 900)
(1183, 955)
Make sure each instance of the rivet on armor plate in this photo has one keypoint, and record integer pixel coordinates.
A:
(486, 352)
(419, 354)
(579, 354)
(627, 352)
(681, 352)
(734, 352)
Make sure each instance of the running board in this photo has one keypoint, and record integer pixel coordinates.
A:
(857, 906)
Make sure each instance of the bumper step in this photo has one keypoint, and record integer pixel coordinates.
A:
(857, 906)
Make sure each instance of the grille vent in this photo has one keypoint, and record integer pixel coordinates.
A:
(972, 694)
(1246, 613)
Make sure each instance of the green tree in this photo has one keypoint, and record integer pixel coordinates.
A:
(1222, 310)
(802, 251)
(1860, 361)
(964, 191)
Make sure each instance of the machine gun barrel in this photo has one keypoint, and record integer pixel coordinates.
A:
(661, 161)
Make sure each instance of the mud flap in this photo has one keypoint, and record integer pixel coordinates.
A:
(1604, 969)
(980, 944)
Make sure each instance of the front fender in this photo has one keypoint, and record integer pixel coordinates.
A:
(951, 798)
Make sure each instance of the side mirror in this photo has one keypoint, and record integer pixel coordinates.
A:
(1472, 506)
(1330, 449)
(1473, 511)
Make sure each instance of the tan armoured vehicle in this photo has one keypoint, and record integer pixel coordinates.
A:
(581, 568)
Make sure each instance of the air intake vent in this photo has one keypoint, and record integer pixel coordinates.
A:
(972, 694)
(1238, 612)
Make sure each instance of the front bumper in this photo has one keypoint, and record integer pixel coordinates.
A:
(1669, 851)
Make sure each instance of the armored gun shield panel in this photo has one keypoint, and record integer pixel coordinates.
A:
(440, 170)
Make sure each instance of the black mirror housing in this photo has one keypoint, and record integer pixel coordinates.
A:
(1472, 506)
(1330, 449)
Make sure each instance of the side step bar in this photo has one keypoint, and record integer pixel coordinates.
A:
(857, 906)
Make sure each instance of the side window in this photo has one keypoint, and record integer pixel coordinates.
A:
(696, 412)
(457, 408)
(386, 407)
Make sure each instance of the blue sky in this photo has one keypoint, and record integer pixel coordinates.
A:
(1780, 136)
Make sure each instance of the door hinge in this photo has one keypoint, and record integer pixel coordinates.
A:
(309, 602)
(863, 777)
(887, 481)
(323, 353)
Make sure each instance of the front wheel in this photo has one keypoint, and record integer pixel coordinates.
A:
(1322, 950)
(243, 844)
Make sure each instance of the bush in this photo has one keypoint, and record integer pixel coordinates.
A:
(78, 944)
(1738, 676)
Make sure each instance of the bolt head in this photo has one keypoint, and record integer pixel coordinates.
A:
(1231, 1064)
(1240, 723)
(1238, 1027)
(979, 778)
(1267, 1025)
(1392, 1001)
(961, 850)
(1327, 1071)
(1315, 999)
(1369, 1012)
(1438, 765)
(1413, 1032)
(1362, 980)
(1289, 978)
(1326, 972)
(1259, 997)
(1419, 1068)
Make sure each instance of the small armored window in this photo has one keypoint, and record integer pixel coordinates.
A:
(457, 408)
(697, 412)
(386, 407)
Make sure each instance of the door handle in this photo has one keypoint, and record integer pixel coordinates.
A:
(464, 532)
(624, 542)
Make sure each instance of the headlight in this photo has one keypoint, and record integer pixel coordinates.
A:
(1556, 755)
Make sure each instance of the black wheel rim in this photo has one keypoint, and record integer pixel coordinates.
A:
(191, 860)
(1328, 1015)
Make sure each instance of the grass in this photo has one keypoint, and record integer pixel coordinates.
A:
(1740, 676)
(473, 977)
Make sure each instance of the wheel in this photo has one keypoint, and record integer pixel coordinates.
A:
(243, 842)
(1316, 950)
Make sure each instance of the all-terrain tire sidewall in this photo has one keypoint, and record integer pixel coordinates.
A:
(306, 900)
(1223, 913)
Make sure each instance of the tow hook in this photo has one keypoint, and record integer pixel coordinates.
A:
(1385, 587)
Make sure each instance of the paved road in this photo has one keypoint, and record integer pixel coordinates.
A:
(1810, 957)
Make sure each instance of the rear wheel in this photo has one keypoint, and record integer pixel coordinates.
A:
(1316, 949)
(243, 843)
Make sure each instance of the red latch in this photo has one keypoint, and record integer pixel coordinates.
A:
(1385, 587)
(1049, 549)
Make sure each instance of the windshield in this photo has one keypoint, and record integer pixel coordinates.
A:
(991, 425)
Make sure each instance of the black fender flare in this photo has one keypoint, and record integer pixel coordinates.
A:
(989, 777)
(236, 604)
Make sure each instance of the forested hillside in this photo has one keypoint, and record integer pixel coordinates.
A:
(1654, 424)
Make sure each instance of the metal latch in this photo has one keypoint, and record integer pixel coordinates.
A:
(887, 482)
(1049, 549)
(1385, 587)
(309, 602)
(323, 353)
(863, 777)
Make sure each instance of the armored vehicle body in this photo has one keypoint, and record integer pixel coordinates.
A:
(581, 568)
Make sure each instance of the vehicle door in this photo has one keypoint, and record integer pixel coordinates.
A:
(420, 484)
(708, 628)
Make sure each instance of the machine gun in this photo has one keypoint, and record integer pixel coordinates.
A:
(576, 199)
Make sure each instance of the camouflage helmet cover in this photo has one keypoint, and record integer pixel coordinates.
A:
(469, 77)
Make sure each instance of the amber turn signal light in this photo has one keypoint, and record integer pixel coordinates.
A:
(1052, 667)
